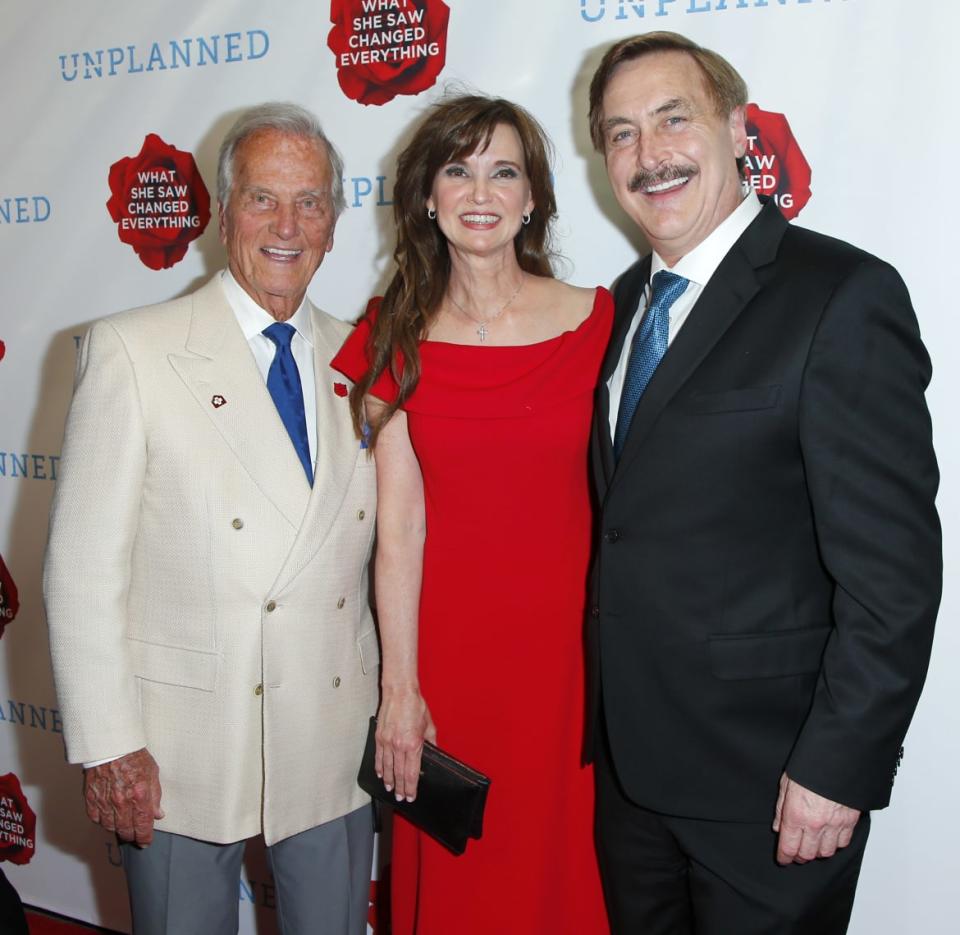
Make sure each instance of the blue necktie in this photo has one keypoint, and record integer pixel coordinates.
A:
(648, 347)
(283, 381)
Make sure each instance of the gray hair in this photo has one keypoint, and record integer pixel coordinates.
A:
(285, 118)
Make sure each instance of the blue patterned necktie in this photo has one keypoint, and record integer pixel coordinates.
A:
(283, 381)
(648, 347)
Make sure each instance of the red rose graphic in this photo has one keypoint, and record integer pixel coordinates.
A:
(9, 599)
(388, 47)
(3, 350)
(776, 165)
(340, 389)
(18, 823)
(159, 202)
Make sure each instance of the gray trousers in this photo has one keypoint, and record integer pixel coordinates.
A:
(181, 886)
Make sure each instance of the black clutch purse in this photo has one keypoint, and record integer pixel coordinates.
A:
(450, 795)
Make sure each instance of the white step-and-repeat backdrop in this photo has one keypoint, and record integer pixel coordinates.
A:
(854, 131)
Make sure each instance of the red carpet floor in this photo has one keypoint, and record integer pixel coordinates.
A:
(43, 923)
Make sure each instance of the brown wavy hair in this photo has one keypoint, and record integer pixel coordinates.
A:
(453, 129)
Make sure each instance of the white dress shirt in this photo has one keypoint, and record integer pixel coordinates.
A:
(252, 320)
(697, 267)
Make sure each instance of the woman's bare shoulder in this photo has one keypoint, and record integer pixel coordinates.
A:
(572, 303)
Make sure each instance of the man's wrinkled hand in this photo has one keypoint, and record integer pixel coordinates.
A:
(124, 796)
(809, 825)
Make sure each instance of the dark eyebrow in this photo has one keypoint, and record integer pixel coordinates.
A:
(675, 103)
(508, 162)
(667, 107)
(612, 122)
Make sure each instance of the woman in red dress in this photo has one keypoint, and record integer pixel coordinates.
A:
(475, 376)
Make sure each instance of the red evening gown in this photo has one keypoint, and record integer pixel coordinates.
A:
(501, 436)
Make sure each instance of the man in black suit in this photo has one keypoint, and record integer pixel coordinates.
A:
(769, 561)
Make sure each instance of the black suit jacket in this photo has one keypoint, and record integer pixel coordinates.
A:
(769, 566)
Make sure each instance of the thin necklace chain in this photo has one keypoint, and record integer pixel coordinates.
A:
(482, 330)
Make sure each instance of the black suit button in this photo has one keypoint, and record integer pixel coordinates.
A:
(595, 611)
(611, 535)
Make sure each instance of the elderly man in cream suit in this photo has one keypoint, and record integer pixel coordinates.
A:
(206, 586)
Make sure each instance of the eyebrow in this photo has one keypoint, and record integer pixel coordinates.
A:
(610, 122)
(266, 190)
(674, 104)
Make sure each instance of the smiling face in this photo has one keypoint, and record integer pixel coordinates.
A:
(279, 220)
(480, 199)
(671, 158)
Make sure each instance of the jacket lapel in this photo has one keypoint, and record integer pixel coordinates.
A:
(730, 289)
(338, 450)
(218, 363)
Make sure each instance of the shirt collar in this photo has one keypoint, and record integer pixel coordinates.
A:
(702, 261)
(252, 318)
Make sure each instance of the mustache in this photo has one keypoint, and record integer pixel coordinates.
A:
(643, 179)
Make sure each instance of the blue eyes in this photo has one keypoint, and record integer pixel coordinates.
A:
(624, 135)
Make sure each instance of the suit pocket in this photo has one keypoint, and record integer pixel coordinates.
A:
(742, 400)
(369, 649)
(172, 665)
(767, 655)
